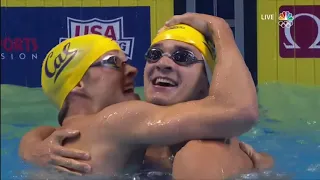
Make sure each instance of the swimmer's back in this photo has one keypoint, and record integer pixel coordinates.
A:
(108, 157)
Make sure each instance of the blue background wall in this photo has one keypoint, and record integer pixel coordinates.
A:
(29, 34)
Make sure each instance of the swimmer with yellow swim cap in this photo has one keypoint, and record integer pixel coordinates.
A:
(69, 65)
(177, 70)
(187, 62)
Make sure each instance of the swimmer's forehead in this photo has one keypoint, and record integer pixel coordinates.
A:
(171, 45)
(117, 53)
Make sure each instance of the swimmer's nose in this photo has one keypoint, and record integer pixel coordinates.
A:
(165, 64)
(130, 71)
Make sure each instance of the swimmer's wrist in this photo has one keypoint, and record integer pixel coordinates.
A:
(219, 30)
(224, 40)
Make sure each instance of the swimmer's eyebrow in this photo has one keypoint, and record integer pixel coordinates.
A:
(182, 48)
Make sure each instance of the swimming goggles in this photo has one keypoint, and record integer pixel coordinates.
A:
(110, 61)
(181, 57)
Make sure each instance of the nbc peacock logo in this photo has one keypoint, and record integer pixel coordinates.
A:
(302, 39)
(285, 19)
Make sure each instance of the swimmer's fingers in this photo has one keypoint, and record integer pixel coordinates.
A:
(190, 19)
(201, 22)
(70, 153)
(265, 161)
(187, 18)
(162, 29)
(78, 166)
(65, 170)
(59, 135)
(261, 161)
(206, 24)
(248, 149)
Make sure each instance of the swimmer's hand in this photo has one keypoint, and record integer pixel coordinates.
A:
(51, 154)
(261, 161)
(206, 24)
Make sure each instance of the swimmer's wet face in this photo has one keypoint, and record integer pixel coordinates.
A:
(176, 76)
(84, 74)
(109, 80)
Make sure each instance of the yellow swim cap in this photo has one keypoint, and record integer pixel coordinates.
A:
(189, 35)
(66, 64)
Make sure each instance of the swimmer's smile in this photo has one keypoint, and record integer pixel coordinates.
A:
(128, 92)
(128, 89)
(164, 83)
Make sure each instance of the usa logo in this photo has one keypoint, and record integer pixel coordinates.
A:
(111, 28)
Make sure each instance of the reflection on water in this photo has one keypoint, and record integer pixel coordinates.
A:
(266, 175)
(289, 129)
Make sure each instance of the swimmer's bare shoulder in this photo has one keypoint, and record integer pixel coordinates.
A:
(224, 160)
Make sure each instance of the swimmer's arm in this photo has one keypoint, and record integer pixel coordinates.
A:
(230, 110)
(31, 138)
(143, 123)
(232, 84)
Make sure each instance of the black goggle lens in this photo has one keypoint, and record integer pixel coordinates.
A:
(181, 57)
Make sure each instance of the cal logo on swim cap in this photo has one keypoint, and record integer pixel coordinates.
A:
(189, 35)
(66, 64)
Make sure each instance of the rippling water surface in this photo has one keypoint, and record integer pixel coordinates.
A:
(289, 129)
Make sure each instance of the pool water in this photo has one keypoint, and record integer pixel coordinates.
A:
(289, 128)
